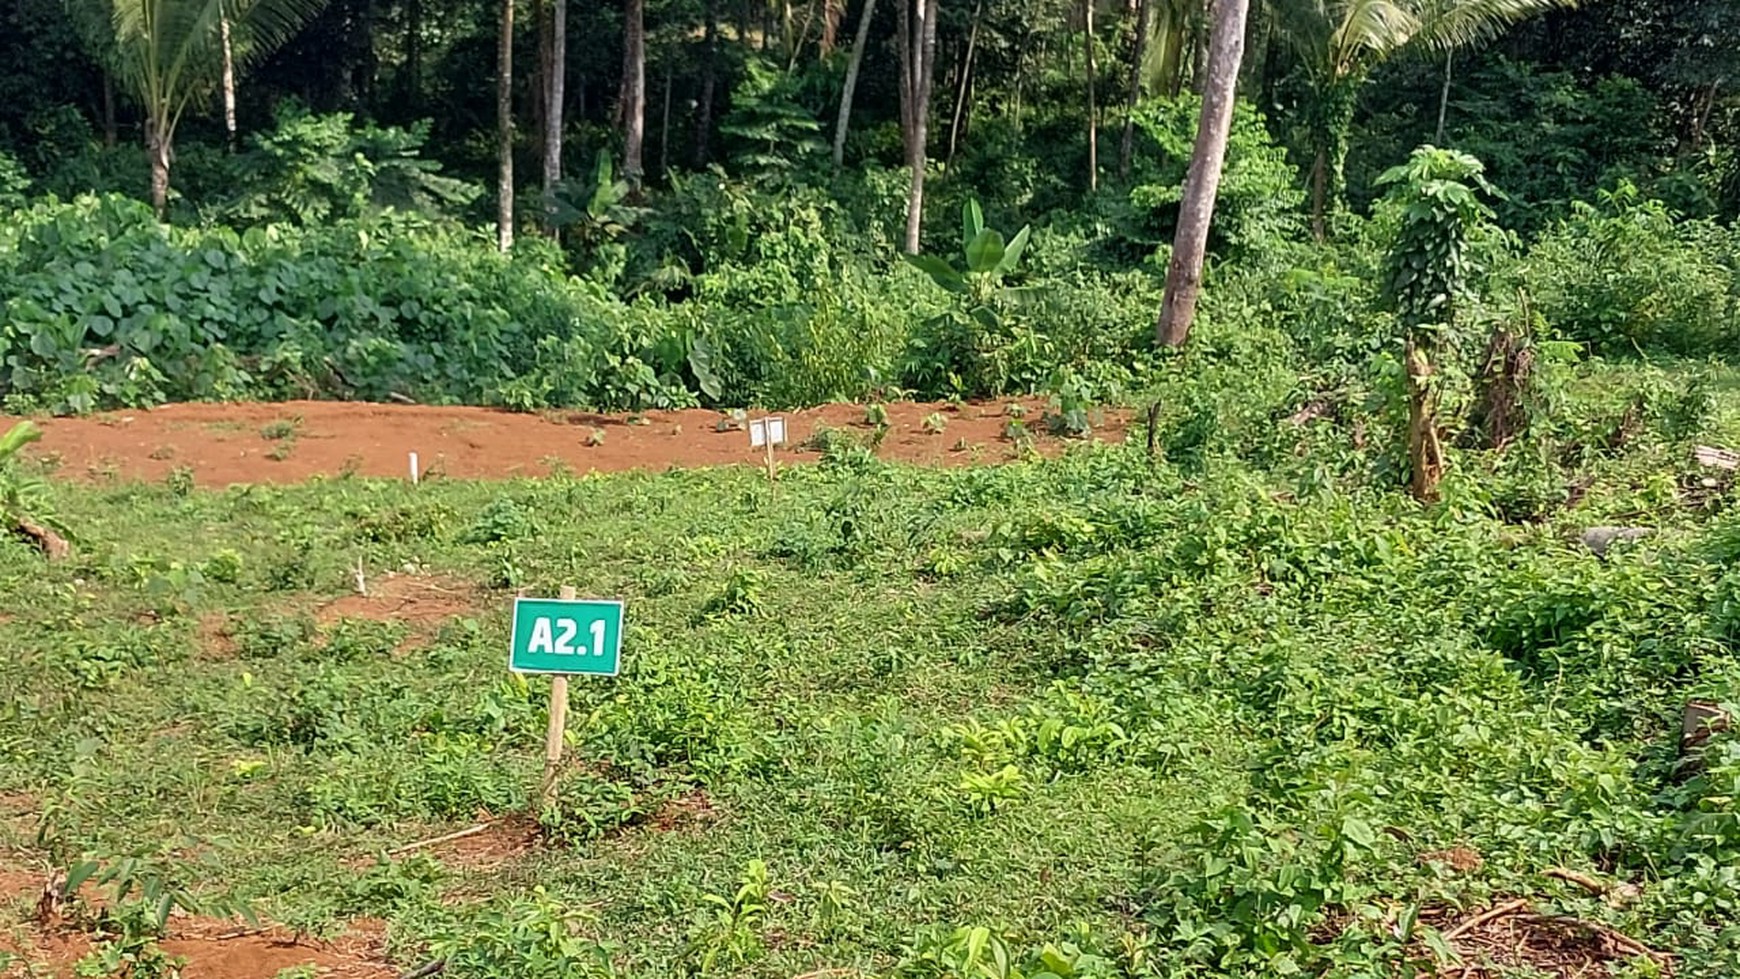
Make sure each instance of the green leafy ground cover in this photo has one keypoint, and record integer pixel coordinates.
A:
(1104, 716)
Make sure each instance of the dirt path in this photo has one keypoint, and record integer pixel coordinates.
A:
(281, 443)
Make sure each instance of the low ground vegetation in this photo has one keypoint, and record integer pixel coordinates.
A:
(1238, 707)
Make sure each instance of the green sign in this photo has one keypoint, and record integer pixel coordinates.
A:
(561, 636)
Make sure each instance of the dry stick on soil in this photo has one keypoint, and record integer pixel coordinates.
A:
(1621, 941)
(426, 970)
(1584, 881)
(438, 840)
(1508, 907)
(52, 545)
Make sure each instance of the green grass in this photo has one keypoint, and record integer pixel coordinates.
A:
(1240, 705)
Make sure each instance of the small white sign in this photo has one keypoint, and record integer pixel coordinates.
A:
(766, 431)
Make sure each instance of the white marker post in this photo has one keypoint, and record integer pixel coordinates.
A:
(767, 433)
(414, 474)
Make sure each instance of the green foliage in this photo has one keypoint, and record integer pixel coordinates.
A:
(1623, 276)
(983, 344)
(535, 936)
(105, 307)
(1258, 202)
(310, 169)
(1436, 194)
(770, 133)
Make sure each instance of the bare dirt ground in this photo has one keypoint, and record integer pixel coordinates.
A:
(220, 444)
(208, 948)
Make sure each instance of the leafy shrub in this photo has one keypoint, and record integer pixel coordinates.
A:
(1260, 193)
(313, 168)
(104, 307)
(1624, 277)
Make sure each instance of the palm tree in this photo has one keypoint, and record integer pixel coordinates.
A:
(168, 53)
(1340, 43)
(1226, 51)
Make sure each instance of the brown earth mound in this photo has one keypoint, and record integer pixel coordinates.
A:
(220, 444)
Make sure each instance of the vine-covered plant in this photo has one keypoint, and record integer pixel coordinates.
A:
(1427, 273)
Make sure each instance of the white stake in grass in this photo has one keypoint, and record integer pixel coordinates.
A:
(414, 469)
(767, 433)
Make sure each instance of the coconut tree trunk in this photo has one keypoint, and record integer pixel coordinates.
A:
(157, 150)
(1144, 23)
(918, 55)
(504, 115)
(634, 93)
(858, 43)
(1184, 274)
(228, 82)
(1093, 122)
(964, 84)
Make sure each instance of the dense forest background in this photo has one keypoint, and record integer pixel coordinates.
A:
(700, 215)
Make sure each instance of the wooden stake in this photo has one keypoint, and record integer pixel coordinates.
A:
(558, 726)
(770, 475)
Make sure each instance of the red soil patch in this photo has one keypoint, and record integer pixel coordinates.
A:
(209, 955)
(422, 602)
(223, 443)
(502, 840)
(212, 949)
(692, 809)
(216, 636)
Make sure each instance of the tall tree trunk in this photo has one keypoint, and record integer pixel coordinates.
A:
(859, 42)
(1443, 99)
(1093, 122)
(1425, 452)
(964, 83)
(504, 118)
(1319, 193)
(157, 149)
(832, 12)
(918, 56)
(1184, 274)
(109, 134)
(1173, 28)
(1144, 24)
(413, 54)
(709, 79)
(665, 122)
(634, 93)
(1701, 115)
(228, 78)
(555, 98)
(803, 34)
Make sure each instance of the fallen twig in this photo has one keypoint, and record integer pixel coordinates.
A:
(1498, 911)
(1584, 881)
(230, 936)
(1620, 940)
(426, 970)
(438, 840)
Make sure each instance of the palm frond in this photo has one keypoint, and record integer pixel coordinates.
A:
(1448, 24)
(263, 26)
(1370, 29)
